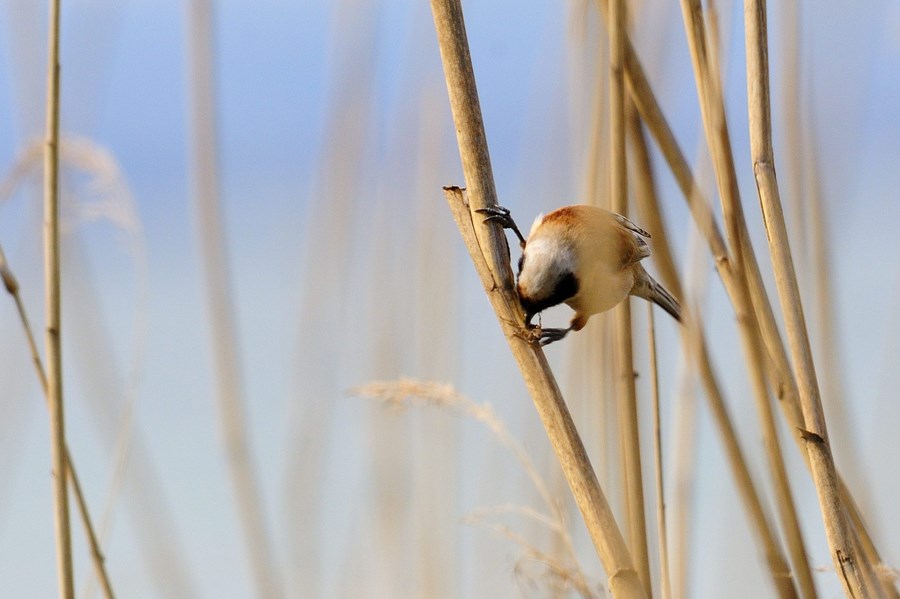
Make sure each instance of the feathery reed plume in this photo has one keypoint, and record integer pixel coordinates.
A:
(561, 577)
(244, 477)
(406, 392)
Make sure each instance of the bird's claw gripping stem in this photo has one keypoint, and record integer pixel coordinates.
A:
(548, 336)
(501, 215)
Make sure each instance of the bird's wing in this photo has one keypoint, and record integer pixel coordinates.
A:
(630, 225)
(632, 247)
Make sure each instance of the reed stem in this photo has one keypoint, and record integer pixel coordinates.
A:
(665, 583)
(693, 340)
(490, 254)
(848, 562)
(52, 303)
(12, 287)
(629, 437)
(780, 376)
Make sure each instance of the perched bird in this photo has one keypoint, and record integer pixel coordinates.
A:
(584, 256)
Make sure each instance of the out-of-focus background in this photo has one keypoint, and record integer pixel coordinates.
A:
(253, 227)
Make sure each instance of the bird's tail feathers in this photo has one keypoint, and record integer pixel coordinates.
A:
(648, 288)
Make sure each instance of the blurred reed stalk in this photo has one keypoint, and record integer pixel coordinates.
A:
(437, 343)
(12, 287)
(852, 568)
(333, 202)
(389, 444)
(629, 438)
(52, 301)
(665, 584)
(490, 254)
(591, 370)
(213, 247)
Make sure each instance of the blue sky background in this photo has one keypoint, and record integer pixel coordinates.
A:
(299, 85)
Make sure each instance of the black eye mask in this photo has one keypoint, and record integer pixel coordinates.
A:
(566, 287)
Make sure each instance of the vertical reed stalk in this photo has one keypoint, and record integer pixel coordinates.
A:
(753, 350)
(808, 191)
(592, 365)
(847, 560)
(709, 90)
(629, 438)
(490, 254)
(699, 354)
(792, 118)
(665, 584)
(694, 342)
(219, 293)
(781, 376)
(52, 301)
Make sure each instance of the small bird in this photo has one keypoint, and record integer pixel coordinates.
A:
(584, 256)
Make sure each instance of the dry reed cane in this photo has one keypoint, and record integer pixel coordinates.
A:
(629, 439)
(599, 520)
(593, 350)
(665, 584)
(847, 561)
(807, 190)
(782, 378)
(52, 301)
(747, 321)
(712, 109)
(775, 559)
(490, 255)
(694, 341)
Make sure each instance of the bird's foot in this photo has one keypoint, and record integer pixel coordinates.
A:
(501, 215)
(497, 213)
(548, 336)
